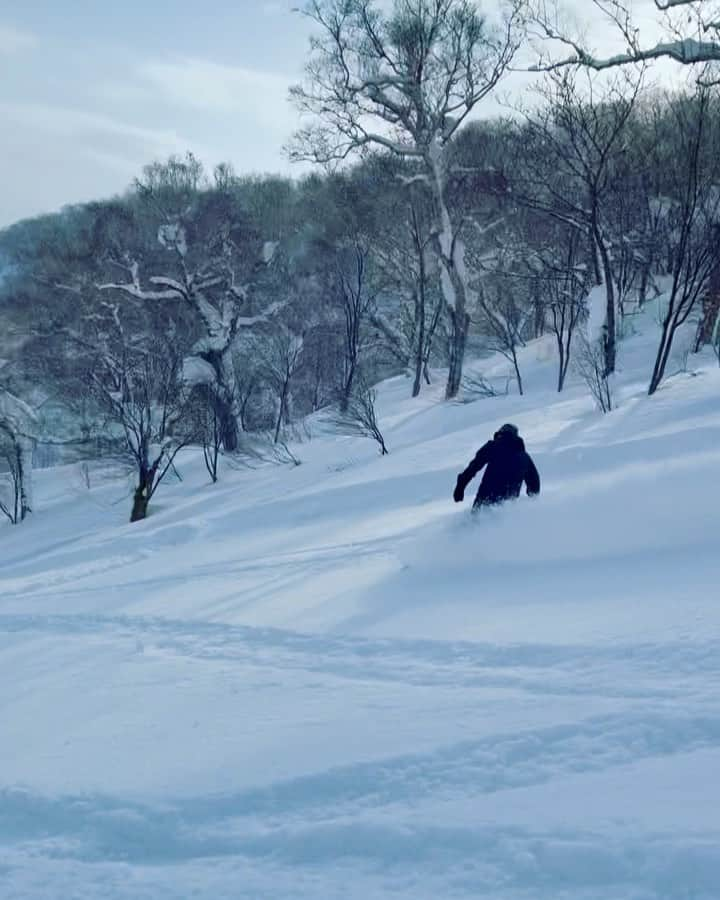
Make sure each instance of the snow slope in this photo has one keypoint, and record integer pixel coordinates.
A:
(329, 681)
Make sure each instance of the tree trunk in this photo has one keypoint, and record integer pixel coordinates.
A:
(420, 340)
(708, 324)
(518, 376)
(538, 318)
(460, 322)
(450, 251)
(210, 453)
(317, 382)
(281, 412)
(24, 467)
(610, 333)
(140, 503)
(417, 383)
(143, 492)
(224, 397)
(227, 424)
(242, 410)
(644, 281)
(561, 368)
(566, 359)
(419, 307)
(347, 389)
(663, 354)
(429, 339)
(594, 255)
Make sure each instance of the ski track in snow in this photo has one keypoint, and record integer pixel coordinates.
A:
(372, 819)
(536, 668)
(340, 687)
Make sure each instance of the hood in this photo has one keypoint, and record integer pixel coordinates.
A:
(509, 441)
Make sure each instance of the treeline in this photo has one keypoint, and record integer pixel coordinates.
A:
(203, 307)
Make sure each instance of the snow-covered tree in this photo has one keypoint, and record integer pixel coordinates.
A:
(207, 257)
(406, 80)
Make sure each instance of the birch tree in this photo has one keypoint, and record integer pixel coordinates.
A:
(406, 81)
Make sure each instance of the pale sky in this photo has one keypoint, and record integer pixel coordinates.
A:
(90, 91)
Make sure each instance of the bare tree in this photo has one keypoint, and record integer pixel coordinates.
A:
(404, 255)
(279, 355)
(696, 219)
(356, 306)
(18, 436)
(502, 318)
(138, 388)
(590, 365)
(11, 505)
(212, 443)
(321, 355)
(359, 416)
(406, 81)
(569, 161)
(637, 225)
(564, 284)
(205, 424)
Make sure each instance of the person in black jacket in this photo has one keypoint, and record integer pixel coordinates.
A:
(508, 466)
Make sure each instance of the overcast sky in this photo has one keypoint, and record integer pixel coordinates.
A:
(91, 91)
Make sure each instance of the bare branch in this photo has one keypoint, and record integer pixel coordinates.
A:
(683, 48)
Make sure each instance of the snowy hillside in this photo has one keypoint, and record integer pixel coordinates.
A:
(330, 681)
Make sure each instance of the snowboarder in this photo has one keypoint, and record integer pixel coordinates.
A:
(508, 466)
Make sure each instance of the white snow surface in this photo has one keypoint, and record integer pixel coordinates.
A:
(329, 681)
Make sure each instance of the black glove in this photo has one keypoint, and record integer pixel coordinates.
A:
(458, 494)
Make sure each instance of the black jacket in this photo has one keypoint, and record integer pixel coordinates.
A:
(508, 466)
